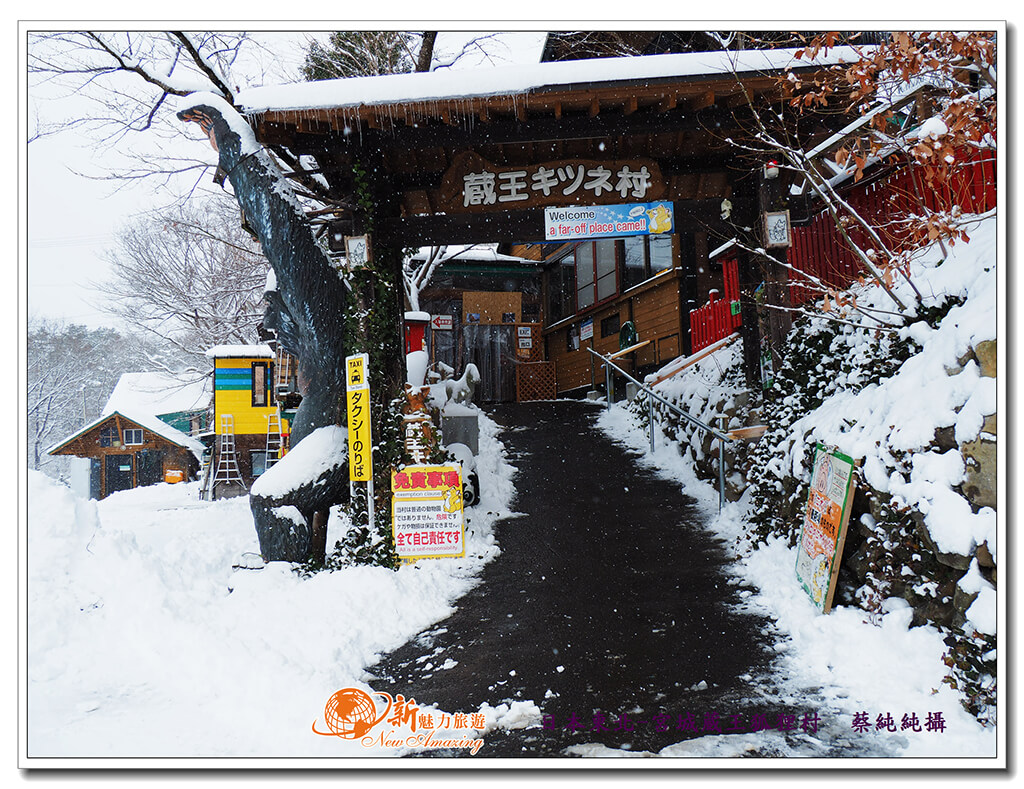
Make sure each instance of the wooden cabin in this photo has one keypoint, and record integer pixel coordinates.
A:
(132, 450)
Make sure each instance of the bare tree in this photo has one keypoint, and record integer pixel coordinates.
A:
(71, 372)
(924, 98)
(189, 275)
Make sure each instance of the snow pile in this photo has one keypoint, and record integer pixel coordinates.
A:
(144, 641)
(324, 449)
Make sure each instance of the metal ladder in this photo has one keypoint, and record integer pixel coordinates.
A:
(273, 438)
(227, 458)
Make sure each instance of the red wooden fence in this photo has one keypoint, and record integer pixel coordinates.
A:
(818, 249)
(715, 320)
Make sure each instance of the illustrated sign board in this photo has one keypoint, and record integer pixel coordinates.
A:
(426, 512)
(360, 459)
(607, 221)
(824, 528)
(524, 331)
(587, 329)
(357, 251)
(442, 322)
(776, 229)
(525, 342)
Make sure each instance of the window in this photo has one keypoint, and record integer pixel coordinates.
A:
(562, 289)
(108, 436)
(259, 385)
(132, 437)
(584, 276)
(610, 325)
(645, 257)
(596, 278)
(258, 458)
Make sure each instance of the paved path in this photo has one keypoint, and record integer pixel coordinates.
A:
(608, 599)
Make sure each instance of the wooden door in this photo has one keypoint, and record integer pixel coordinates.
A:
(118, 473)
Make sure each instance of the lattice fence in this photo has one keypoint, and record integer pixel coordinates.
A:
(535, 381)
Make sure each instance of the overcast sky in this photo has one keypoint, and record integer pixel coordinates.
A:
(73, 219)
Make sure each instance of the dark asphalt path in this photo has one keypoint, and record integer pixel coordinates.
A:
(608, 599)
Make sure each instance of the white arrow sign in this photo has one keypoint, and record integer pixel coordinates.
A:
(442, 322)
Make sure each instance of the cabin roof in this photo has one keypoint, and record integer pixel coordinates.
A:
(240, 352)
(158, 393)
(145, 421)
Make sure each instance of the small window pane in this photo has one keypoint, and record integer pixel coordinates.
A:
(259, 384)
(634, 261)
(605, 257)
(584, 265)
(661, 253)
(606, 286)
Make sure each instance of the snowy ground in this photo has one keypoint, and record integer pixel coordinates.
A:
(143, 641)
(841, 661)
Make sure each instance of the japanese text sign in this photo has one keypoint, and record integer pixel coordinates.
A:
(427, 515)
(360, 453)
(824, 527)
(606, 221)
(474, 184)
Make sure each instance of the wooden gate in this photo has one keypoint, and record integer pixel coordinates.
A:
(716, 320)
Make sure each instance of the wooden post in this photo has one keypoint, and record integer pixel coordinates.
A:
(776, 279)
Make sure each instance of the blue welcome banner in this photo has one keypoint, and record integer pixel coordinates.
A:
(604, 221)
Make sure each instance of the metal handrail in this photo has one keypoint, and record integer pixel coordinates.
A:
(651, 397)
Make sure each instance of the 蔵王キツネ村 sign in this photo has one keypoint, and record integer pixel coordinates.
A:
(606, 221)
(824, 528)
(427, 514)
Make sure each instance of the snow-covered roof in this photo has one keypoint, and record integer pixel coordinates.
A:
(157, 393)
(521, 79)
(147, 421)
(240, 351)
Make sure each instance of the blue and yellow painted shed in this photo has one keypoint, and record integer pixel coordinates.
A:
(245, 407)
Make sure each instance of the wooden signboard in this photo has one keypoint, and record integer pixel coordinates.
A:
(491, 308)
(824, 528)
(474, 184)
(427, 512)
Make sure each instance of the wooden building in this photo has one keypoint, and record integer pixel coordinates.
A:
(132, 450)
(485, 308)
(497, 158)
(145, 434)
(247, 435)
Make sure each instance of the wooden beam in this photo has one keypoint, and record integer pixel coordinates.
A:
(630, 106)
(667, 103)
(706, 99)
(595, 107)
(523, 225)
(540, 129)
(558, 109)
